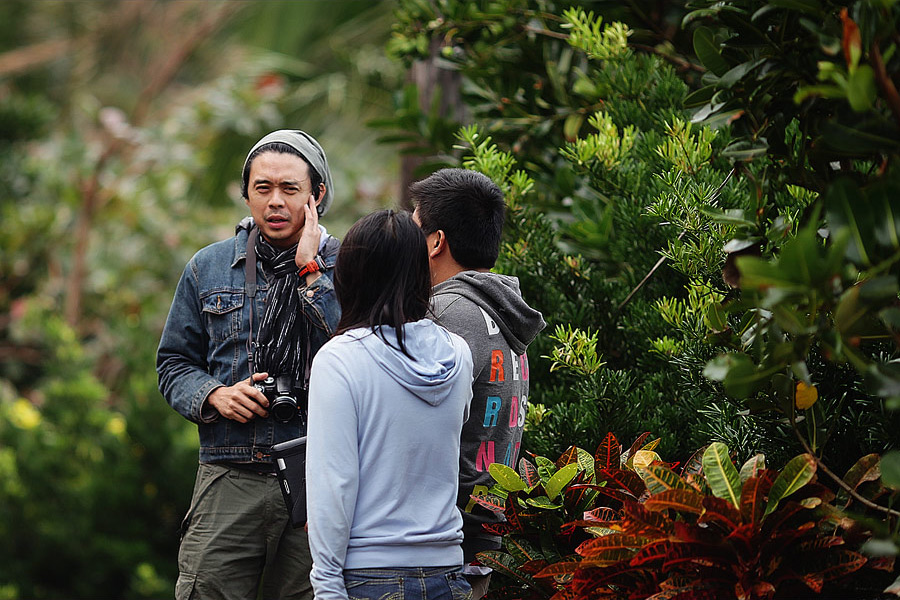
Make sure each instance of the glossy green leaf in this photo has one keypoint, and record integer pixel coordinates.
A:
(890, 469)
(865, 469)
(797, 473)
(699, 97)
(861, 88)
(810, 7)
(545, 468)
(760, 274)
(585, 463)
(707, 51)
(735, 74)
(845, 210)
(721, 119)
(506, 477)
(560, 480)
(745, 150)
(752, 467)
(572, 126)
(716, 317)
(738, 374)
(883, 379)
(542, 502)
(721, 474)
(852, 140)
(732, 216)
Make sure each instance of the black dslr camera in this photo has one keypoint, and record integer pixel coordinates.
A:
(283, 404)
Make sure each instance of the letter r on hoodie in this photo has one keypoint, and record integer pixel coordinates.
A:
(492, 410)
(497, 365)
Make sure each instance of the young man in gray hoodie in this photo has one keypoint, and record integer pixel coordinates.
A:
(462, 213)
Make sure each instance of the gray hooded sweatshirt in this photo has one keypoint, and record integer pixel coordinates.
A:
(488, 312)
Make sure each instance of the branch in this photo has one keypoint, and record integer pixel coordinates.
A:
(166, 72)
(885, 83)
(92, 200)
(35, 55)
(684, 64)
(658, 264)
(547, 32)
(662, 259)
(23, 59)
(843, 484)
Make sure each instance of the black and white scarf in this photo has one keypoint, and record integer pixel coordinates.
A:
(282, 345)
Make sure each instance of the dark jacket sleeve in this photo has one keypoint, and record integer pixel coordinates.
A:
(181, 363)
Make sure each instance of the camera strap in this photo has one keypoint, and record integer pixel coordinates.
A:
(250, 288)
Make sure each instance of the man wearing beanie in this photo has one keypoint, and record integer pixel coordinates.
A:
(255, 306)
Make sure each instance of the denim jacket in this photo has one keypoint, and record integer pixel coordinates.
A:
(204, 344)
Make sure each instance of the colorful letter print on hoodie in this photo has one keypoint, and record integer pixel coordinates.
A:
(487, 310)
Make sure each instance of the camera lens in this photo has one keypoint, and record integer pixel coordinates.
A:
(284, 408)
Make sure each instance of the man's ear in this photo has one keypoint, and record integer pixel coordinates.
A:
(437, 243)
(321, 194)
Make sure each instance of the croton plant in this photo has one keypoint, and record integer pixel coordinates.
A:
(625, 524)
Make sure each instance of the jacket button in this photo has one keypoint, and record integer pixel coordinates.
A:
(259, 455)
(310, 293)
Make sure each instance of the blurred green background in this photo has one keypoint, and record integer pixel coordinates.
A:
(123, 127)
(124, 124)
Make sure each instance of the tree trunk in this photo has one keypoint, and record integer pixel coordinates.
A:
(430, 79)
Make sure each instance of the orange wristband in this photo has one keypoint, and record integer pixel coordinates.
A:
(310, 267)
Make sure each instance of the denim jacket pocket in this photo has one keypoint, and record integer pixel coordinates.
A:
(222, 313)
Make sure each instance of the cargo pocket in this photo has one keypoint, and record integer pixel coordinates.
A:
(184, 586)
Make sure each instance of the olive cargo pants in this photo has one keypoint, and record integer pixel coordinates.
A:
(238, 536)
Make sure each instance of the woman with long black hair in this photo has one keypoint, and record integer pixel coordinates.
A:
(387, 400)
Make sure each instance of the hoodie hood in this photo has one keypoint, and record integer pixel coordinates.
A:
(438, 357)
(499, 296)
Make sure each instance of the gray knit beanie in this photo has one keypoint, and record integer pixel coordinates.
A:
(306, 145)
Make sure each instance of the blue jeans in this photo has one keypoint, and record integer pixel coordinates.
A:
(417, 583)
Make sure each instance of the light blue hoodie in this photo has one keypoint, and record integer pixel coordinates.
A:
(382, 462)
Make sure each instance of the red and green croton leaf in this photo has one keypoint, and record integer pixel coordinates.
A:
(609, 453)
(753, 497)
(659, 479)
(529, 473)
(625, 480)
(680, 500)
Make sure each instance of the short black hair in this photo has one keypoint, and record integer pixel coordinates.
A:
(470, 210)
(382, 276)
(315, 179)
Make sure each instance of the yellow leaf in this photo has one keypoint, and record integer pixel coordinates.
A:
(643, 458)
(806, 395)
(24, 415)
